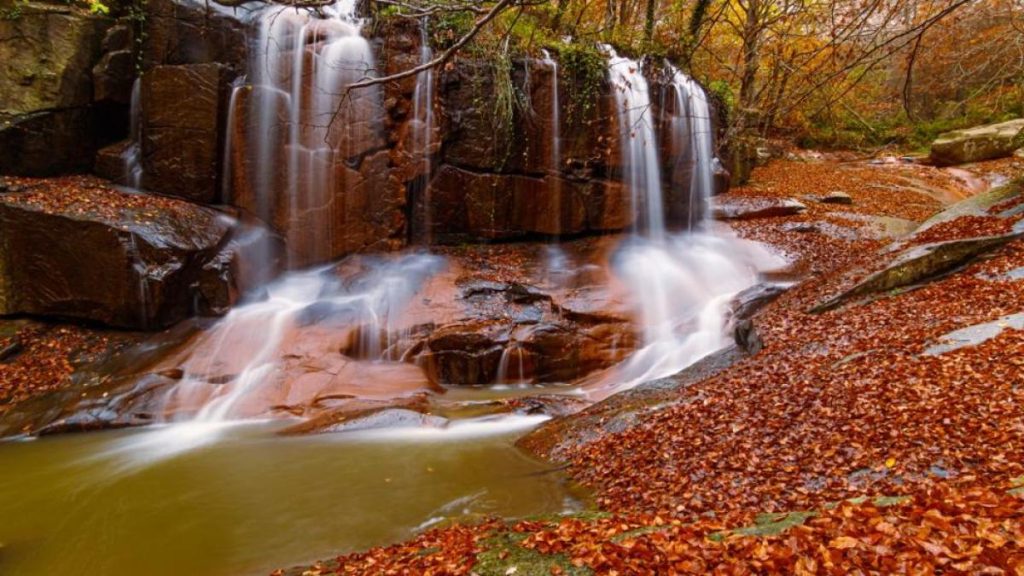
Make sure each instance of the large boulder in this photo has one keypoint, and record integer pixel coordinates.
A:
(181, 119)
(980, 143)
(47, 122)
(76, 248)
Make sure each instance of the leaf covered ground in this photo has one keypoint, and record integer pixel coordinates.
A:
(39, 358)
(839, 407)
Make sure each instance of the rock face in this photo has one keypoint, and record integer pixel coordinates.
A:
(179, 32)
(47, 122)
(470, 206)
(498, 178)
(980, 143)
(181, 119)
(113, 259)
(114, 73)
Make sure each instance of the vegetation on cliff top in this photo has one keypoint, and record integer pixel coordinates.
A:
(833, 73)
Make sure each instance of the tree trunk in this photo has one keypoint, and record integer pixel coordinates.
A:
(609, 19)
(652, 9)
(752, 32)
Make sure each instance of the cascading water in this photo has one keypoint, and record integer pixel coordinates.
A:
(303, 128)
(556, 120)
(229, 137)
(692, 118)
(247, 346)
(640, 164)
(556, 127)
(304, 125)
(423, 132)
(132, 155)
(681, 285)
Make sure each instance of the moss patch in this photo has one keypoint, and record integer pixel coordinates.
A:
(503, 555)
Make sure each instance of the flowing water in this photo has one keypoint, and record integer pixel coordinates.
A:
(215, 489)
(641, 168)
(423, 129)
(681, 284)
(693, 135)
(132, 155)
(555, 120)
(300, 67)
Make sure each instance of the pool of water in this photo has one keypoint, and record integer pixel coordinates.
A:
(240, 499)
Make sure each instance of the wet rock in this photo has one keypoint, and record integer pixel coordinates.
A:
(110, 162)
(465, 354)
(172, 373)
(723, 180)
(744, 307)
(467, 206)
(623, 410)
(47, 121)
(979, 143)
(181, 116)
(364, 211)
(731, 208)
(356, 414)
(120, 269)
(113, 76)
(181, 32)
(837, 197)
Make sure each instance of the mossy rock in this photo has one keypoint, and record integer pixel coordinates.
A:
(979, 143)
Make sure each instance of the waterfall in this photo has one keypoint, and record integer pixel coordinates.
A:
(132, 154)
(304, 126)
(229, 137)
(680, 285)
(423, 132)
(556, 121)
(692, 121)
(556, 136)
(640, 163)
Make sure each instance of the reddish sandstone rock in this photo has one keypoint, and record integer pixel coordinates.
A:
(181, 118)
(123, 260)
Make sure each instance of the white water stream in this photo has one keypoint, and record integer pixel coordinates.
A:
(680, 284)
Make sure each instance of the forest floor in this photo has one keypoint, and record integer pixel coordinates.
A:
(878, 435)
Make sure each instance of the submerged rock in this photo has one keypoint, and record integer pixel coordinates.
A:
(979, 143)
